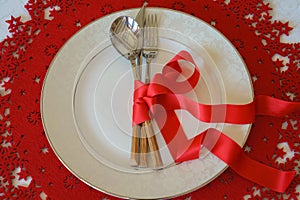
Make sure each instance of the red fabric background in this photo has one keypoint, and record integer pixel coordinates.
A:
(26, 56)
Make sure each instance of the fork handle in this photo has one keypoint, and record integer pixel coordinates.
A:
(147, 71)
(147, 127)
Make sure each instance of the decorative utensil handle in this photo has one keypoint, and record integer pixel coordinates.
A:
(134, 156)
(143, 148)
(136, 129)
(152, 142)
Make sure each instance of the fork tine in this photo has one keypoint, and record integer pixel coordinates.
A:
(146, 31)
(155, 31)
(151, 30)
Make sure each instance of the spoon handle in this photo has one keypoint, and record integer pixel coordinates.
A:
(136, 129)
(134, 156)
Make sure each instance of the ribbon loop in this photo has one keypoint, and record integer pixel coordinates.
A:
(166, 89)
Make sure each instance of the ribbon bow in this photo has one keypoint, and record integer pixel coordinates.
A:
(166, 91)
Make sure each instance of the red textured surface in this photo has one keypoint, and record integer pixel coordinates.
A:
(26, 56)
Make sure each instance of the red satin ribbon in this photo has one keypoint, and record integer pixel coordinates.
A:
(166, 91)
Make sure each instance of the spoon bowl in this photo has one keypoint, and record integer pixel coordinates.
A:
(126, 36)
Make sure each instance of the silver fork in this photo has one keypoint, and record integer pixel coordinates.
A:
(150, 50)
(150, 46)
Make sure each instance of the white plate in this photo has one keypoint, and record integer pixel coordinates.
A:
(86, 106)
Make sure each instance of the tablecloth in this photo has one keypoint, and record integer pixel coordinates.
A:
(29, 168)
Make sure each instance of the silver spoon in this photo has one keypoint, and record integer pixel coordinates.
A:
(126, 36)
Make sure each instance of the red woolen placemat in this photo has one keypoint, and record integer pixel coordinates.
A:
(26, 56)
